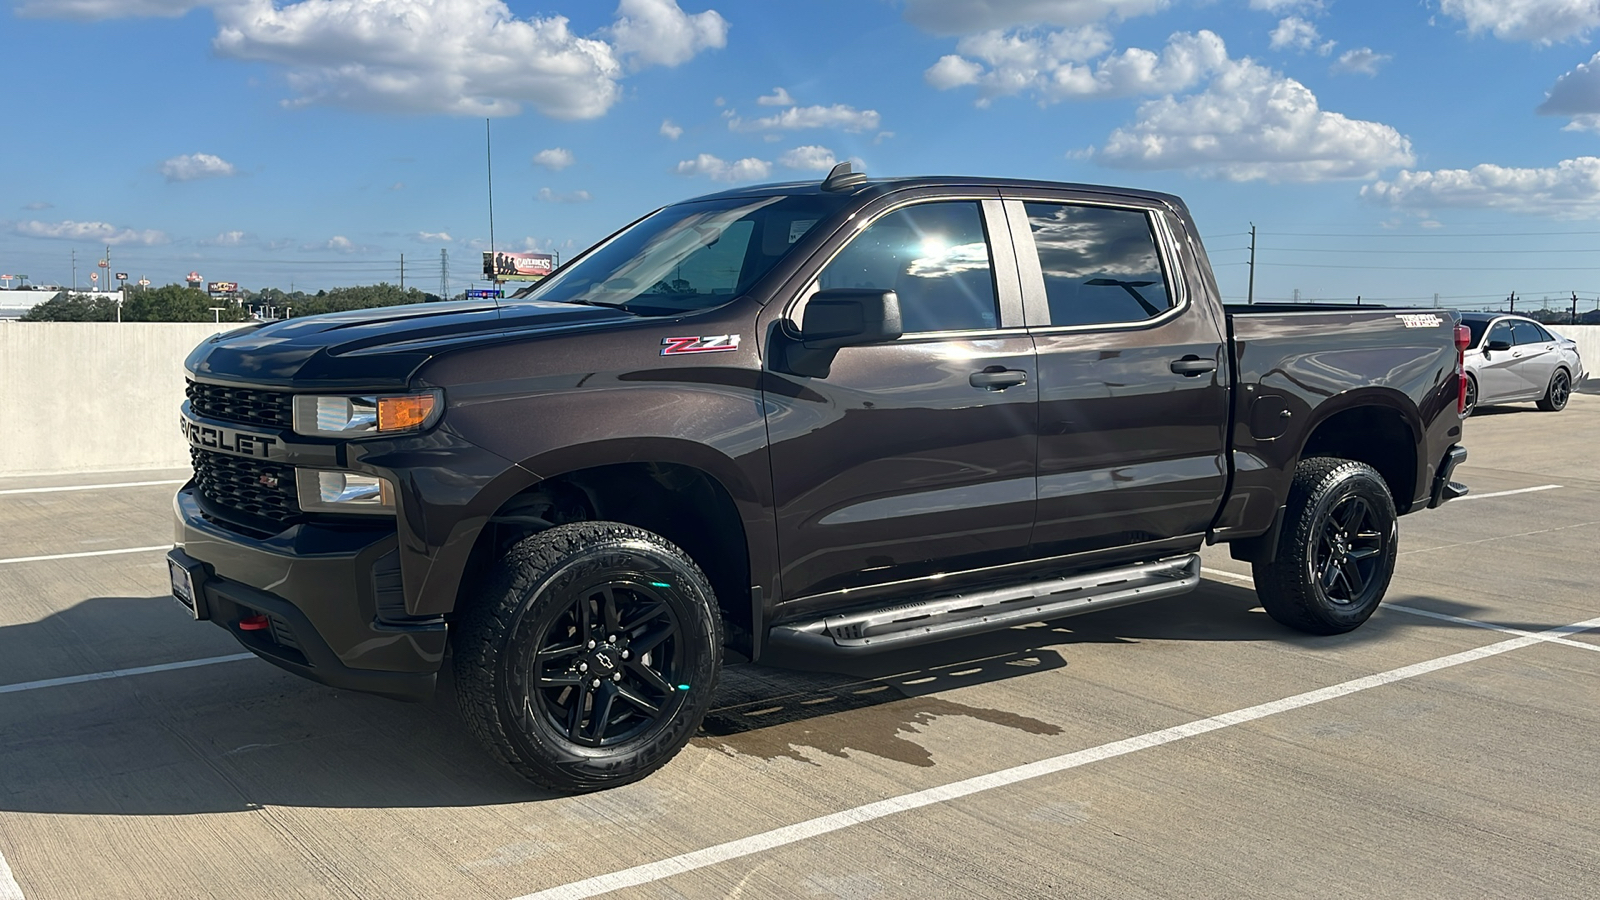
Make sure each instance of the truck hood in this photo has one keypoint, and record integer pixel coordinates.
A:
(375, 348)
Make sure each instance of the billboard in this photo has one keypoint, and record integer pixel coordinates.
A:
(504, 266)
(222, 287)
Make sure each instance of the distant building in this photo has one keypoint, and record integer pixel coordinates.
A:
(14, 303)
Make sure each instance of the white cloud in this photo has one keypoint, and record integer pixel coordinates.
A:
(397, 186)
(465, 57)
(1538, 21)
(972, 16)
(659, 33)
(1048, 65)
(1570, 189)
(1576, 94)
(192, 166)
(1253, 123)
(795, 118)
(93, 232)
(810, 158)
(37, 205)
(93, 10)
(1364, 61)
(546, 195)
(1280, 6)
(670, 131)
(1295, 33)
(748, 169)
(778, 97)
(432, 237)
(555, 159)
(227, 239)
(340, 243)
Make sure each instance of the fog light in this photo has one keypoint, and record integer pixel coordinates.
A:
(335, 491)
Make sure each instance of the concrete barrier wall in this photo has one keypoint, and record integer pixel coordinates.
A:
(93, 396)
(1588, 338)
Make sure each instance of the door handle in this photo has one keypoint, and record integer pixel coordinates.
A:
(995, 378)
(1192, 365)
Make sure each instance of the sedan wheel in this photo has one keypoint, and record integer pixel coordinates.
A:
(1555, 398)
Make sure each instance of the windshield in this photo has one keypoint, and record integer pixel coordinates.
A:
(689, 256)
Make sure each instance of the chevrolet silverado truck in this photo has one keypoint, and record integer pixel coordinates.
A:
(834, 418)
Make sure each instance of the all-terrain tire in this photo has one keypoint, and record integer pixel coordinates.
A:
(1336, 552)
(1556, 395)
(579, 631)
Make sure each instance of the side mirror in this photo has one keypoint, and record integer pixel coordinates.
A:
(841, 317)
(1497, 345)
(844, 317)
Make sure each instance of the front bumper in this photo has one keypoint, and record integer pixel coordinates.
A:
(331, 596)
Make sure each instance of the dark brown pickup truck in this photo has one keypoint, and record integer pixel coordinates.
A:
(837, 417)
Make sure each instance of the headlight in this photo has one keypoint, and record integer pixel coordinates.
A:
(325, 490)
(357, 416)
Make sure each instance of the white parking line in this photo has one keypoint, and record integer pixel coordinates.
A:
(9, 889)
(1429, 614)
(87, 487)
(1542, 487)
(119, 673)
(23, 559)
(790, 834)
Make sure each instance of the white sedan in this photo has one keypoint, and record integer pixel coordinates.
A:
(1514, 359)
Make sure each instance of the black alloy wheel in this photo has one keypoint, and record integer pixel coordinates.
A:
(1471, 404)
(607, 668)
(1337, 549)
(589, 657)
(1560, 390)
(1350, 548)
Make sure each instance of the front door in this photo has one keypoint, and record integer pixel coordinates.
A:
(1499, 377)
(1133, 388)
(915, 456)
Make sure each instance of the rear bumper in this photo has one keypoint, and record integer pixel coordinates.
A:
(1443, 488)
(326, 592)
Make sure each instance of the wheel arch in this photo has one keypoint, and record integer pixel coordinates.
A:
(1378, 426)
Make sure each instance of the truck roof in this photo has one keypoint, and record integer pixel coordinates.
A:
(878, 186)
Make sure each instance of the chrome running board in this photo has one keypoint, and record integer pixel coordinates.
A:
(942, 618)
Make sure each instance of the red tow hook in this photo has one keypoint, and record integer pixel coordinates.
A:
(255, 623)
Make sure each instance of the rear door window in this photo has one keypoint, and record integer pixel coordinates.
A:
(935, 256)
(1526, 333)
(1101, 265)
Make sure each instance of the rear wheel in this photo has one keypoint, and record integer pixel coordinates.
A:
(591, 658)
(1337, 550)
(1556, 395)
(1471, 403)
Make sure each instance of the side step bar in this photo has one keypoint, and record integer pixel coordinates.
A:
(942, 618)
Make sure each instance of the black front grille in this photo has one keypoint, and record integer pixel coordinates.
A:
(262, 491)
(245, 405)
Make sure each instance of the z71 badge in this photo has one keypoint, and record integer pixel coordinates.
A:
(716, 343)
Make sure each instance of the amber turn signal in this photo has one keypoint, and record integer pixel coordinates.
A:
(401, 413)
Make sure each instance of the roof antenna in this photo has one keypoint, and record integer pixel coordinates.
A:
(842, 177)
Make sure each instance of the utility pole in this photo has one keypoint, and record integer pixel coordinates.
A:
(1297, 295)
(402, 273)
(1251, 297)
(488, 153)
(1574, 319)
(1513, 301)
(74, 271)
(1435, 299)
(1358, 299)
(444, 273)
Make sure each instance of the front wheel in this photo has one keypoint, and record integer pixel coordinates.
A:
(1556, 395)
(1337, 550)
(591, 658)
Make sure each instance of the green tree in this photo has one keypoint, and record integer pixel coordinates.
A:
(70, 307)
(177, 303)
(346, 298)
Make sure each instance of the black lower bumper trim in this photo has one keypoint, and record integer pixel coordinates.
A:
(292, 642)
(1444, 489)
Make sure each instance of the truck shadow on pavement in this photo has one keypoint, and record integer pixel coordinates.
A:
(239, 736)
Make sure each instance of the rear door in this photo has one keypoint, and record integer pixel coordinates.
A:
(1133, 402)
(1535, 352)
(915, 456)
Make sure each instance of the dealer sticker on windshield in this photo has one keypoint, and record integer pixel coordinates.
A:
(1414, 320)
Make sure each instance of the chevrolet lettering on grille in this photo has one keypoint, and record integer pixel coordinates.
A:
(229, 440)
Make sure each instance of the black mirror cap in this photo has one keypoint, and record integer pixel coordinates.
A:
(1497, 345)
(842, 317)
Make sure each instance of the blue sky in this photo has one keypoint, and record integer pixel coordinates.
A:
(1389, 148)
